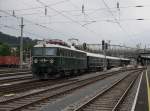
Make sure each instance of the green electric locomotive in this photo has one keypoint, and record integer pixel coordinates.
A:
(53, 60)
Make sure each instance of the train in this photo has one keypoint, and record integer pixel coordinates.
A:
(54, 59)
(9, 61)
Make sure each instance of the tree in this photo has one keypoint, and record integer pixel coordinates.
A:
(4, 49)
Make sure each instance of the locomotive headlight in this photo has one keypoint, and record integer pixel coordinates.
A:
(41, 60)
(35, 60)
(44, 60)
(51, 61)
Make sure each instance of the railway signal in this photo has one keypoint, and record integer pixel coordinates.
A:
(103, 44)
(104, 48)
(84, 46)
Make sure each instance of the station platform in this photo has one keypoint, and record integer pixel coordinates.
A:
(142, 99)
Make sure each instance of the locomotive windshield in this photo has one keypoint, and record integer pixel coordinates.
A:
(50, 51)
(40, 51)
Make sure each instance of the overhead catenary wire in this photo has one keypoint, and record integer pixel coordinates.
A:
(109, 10)
(86, 9)
(43, 4)
(92, 11)
(17, 29)
(79, 10)
(102, 20)
(89, 21)
(98, 35)
(31, 8)
(26, 32)
(37, 24)
(86, 16)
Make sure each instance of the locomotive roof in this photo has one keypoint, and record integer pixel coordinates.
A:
(95, 55)
(58, 46)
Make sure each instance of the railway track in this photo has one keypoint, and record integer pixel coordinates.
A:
(25, 101)
(14, 85)
(29, 84)
(6, 80)
(110, 98)
(14, 73)
(128, 102)
(12, 70)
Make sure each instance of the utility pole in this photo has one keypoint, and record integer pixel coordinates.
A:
(21, 44)
(105, 61)
(104, 52)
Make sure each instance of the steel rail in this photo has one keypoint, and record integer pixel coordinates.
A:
(123, 96)
(71, 86)
(100, 94)
(12, 87)
(9, 70)
(14, 73)
(13, 79)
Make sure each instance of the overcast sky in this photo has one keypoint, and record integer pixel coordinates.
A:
(99, 19)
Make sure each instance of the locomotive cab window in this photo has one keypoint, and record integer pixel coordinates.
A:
(50, 51)
(38, 51)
